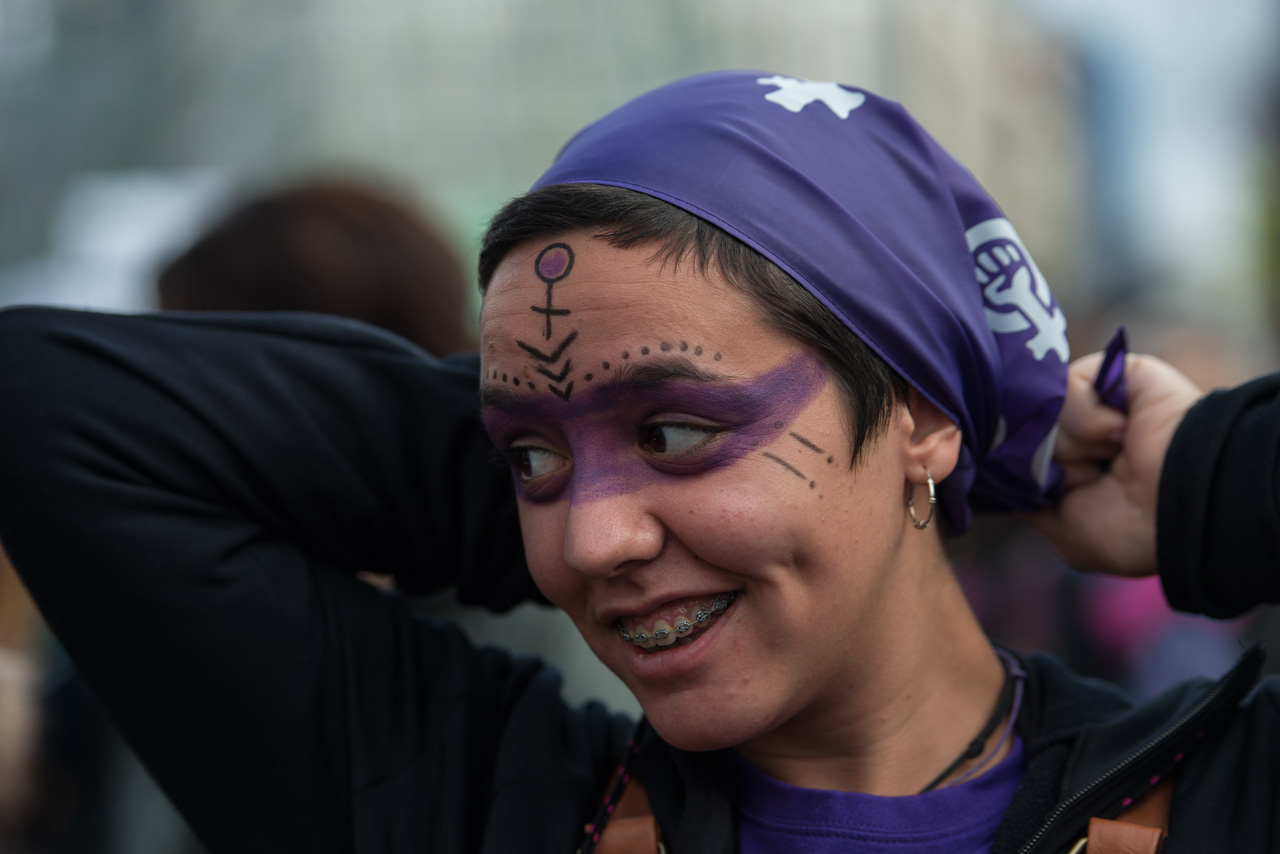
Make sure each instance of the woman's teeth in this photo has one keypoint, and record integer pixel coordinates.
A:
(677, 630)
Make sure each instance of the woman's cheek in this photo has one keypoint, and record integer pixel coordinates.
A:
(729, 525)
(543, 532)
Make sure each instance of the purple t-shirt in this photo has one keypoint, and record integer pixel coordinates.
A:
(774, 816)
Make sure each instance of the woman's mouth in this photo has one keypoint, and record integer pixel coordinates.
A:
(676, 624)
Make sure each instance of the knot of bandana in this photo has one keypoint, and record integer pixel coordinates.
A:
(850, 196)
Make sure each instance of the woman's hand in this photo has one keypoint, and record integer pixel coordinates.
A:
(1106, 520)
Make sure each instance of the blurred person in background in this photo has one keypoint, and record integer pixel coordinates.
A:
(331, 246)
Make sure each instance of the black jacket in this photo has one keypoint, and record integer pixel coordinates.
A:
(188, 499)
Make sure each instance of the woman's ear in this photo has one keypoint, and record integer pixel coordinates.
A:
(934, 445)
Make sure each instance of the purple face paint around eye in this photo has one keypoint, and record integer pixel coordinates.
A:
(599, 429)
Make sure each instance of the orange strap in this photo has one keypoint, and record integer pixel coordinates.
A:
(1141, 829)
(635, 835)
(1107, 836)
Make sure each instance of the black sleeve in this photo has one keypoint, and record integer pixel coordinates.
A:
(1218, 513)
(186, 497)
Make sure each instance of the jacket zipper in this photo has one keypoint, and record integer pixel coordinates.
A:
(1247, 661)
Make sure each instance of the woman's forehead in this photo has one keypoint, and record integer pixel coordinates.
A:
(561, 285)
(564, 314)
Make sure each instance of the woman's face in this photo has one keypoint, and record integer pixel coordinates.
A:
(683, 467)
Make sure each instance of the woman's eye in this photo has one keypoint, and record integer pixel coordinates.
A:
(531, 463)
(673, 438)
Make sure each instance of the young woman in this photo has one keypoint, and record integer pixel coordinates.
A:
(746, 348)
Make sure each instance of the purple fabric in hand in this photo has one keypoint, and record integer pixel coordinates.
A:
(1110, 383)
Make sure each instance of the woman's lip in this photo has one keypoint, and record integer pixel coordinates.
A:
(645, 610)
(676, 661)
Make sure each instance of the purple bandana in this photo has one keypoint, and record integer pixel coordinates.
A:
(1110, 383)
(844, 191)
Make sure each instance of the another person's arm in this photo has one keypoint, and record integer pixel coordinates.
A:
(1190, 486)
(1218, 521)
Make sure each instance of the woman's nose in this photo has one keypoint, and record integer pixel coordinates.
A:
(605, 535)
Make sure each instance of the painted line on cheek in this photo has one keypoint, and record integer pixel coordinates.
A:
(803, 441)
(786, 465)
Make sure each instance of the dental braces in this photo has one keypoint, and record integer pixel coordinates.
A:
(684, 626)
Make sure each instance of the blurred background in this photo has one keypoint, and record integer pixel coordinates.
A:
(1136, 146)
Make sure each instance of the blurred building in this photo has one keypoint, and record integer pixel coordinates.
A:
(1061, 108)
(465, 104)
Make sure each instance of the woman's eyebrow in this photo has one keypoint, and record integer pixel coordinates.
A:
(629, 379)
(665, 369)
(500, 397)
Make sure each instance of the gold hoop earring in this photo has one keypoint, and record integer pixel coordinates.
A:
(933, 501)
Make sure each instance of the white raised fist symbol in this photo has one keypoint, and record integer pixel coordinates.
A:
(1016, 295)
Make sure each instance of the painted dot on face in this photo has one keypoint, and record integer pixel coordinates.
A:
(588, 377)
(644, 351)
(515, 380)
(626, 355)
(697, 351)
(812, 484)
(532, 386)
(504, 378)
(777, 425)
(604, 365)
(666, 347)
(554, 263)
(830, 460)
(684, 345)
(717, 357)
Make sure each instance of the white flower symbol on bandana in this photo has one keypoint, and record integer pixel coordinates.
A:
(796, 94)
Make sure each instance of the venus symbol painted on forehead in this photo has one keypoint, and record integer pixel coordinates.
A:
(553, 264)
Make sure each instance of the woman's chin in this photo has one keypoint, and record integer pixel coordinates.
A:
(700, 729)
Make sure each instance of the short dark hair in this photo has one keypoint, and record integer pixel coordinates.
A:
(626, 218)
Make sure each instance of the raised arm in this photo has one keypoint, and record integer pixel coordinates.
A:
(1184, 484)
(1219, 508)
(186, 498)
